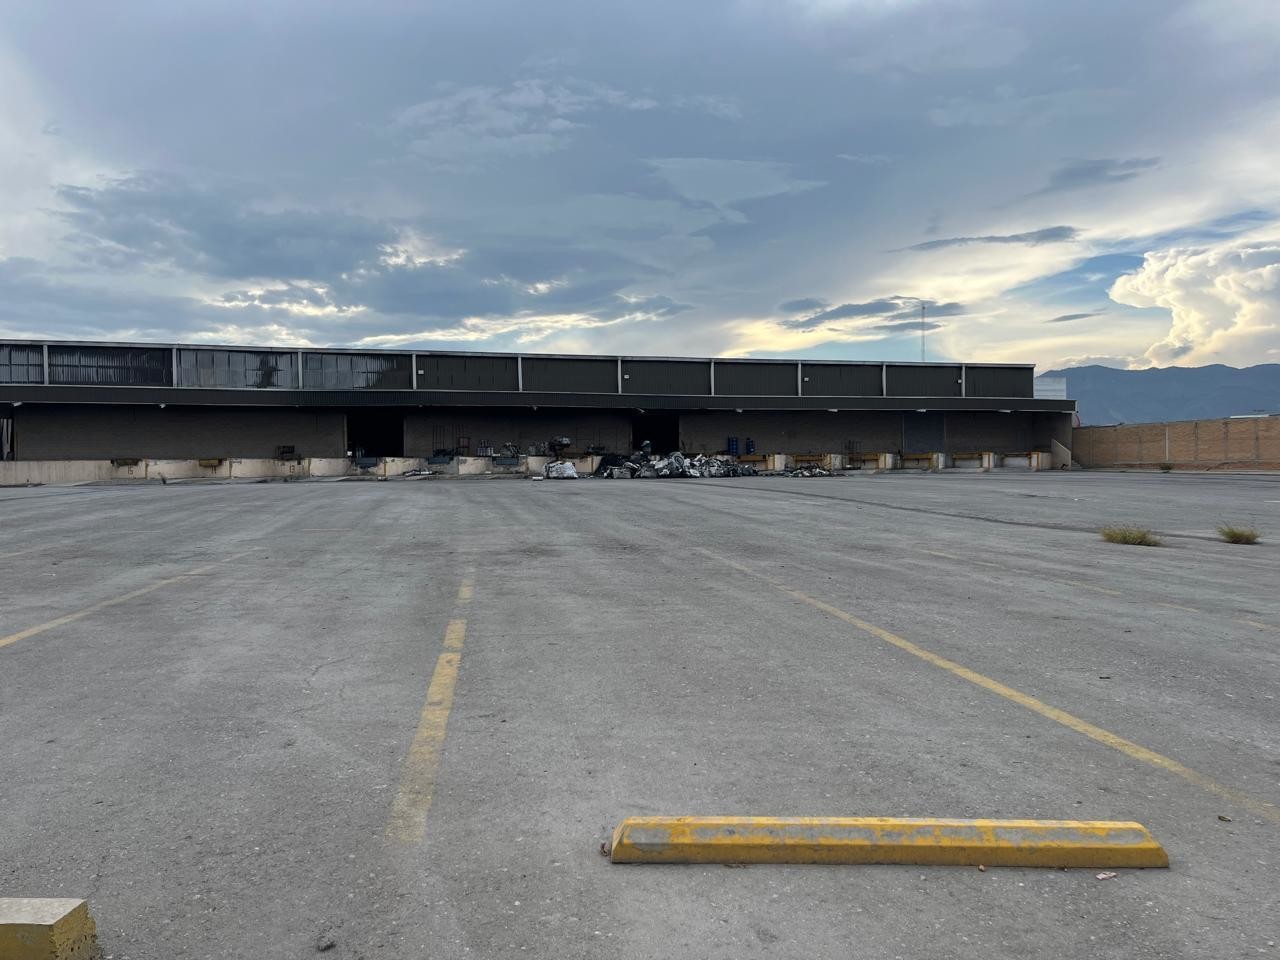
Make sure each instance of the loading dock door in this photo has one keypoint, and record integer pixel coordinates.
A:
(923, 432)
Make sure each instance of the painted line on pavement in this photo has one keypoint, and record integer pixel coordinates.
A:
(901, 840)
(1133, 750)
(114, 601)
(412, 804)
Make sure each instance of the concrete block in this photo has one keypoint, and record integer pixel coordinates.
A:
(47, 929)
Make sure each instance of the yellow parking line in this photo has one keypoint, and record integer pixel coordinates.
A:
(454, 633)
(413, 800)
(114, 601)
(1260, 807)
(1255, 623)
(408, 823)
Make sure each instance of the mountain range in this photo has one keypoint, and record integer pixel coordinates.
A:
(1107, 395)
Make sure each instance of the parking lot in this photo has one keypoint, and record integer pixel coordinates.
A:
(218, 725)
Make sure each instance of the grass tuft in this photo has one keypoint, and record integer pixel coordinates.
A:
(1238, 534)
(1135, 536)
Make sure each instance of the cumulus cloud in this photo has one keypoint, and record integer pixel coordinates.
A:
(1224, 301)
(1032, 238)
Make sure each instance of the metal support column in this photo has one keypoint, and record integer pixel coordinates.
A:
(174, 351)
(414, 358)
(619, 375)
(44, 350)
(713, 378)
(520, 374)
(300, 376)
(884, 379)
(964, 377)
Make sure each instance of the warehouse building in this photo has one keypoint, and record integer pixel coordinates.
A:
(105, 401)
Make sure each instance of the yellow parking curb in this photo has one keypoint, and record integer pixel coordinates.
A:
(850, 840)
(33, 928)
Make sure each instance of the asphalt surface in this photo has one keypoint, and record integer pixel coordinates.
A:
(209, 729)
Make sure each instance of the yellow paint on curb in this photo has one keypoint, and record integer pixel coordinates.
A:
(46, 929)
(114, 601)
(870, 840)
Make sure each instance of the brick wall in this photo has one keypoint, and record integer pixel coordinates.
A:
(1245, 442)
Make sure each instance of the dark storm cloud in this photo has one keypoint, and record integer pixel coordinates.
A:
(803, 305)
(157, 220)
(1068, 317)
(1032, 238)
(1079, 174)
(887, 309)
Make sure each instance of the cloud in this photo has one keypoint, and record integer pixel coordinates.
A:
(870, 159)
(1032, 238)
(1006, 108)
(1223, 300)
(897, 309)
(725, 183)
(803, 305)
(1081, 174)
(1068, 317)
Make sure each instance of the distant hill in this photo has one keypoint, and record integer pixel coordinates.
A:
(1107, 395)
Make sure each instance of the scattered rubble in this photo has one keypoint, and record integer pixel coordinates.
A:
(809, 471)
(560, 470)
(672, 465)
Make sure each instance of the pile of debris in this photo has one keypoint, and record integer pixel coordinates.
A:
(560, 470)
(672, 465)
(808, 471)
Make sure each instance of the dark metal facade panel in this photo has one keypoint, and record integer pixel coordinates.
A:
(684, 377)
(924, 380)
(258, 369)
(570, 375)
(451, 372)
(21, 364)
(357, 371)
(26, 393)
(842, 379)
(119, 366)
(755, 379)
(999, 382)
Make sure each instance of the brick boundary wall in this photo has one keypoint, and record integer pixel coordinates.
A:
(1246, 442)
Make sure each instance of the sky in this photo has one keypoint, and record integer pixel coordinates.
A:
(1050, 183)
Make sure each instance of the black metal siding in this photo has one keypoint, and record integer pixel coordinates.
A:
(467, 373)
(842, 380)
(688, 377)
(907, 380)
(999, 382)
(573, 376)
(357, 371)
(123, 366)
(755, 379)
(19, 364)
(259, 369)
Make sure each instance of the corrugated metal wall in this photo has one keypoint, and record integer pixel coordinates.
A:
(1000, 382)
(68, 432)
(466, 373)
(116, 366)
(551, 374)
(259, 369)
(755, 379)
(909, 380)
(689, 377)
(357, 371)
(842, 380)
(20, 364)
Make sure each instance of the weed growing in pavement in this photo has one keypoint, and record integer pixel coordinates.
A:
(1238, 534)
(1135, 536)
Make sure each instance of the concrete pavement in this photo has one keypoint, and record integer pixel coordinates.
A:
(216, 759)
